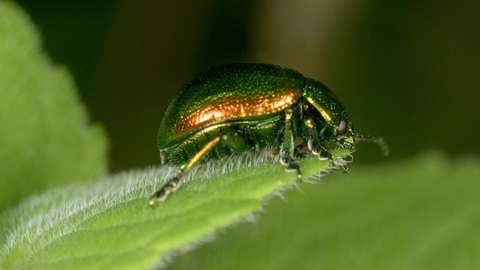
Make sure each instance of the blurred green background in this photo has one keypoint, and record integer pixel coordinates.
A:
(406, 70)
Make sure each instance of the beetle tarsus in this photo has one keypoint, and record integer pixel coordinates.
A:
(291, 166)
(166, 189)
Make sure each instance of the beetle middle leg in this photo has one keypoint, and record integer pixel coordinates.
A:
(174, 183)
(287, 151)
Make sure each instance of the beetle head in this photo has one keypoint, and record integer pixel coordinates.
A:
(338, 127)
(347, 137)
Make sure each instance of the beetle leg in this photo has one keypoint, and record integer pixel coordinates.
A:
(314, 144)
(175, 183)
(287, 150)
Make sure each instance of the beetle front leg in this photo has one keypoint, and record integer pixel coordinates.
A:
(175, 183)
(314, 144)
(287, 150)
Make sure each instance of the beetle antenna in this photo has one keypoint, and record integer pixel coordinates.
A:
(378, 140)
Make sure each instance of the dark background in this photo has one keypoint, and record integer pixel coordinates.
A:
(406, 70)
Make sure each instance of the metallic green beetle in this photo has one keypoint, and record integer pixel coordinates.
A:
(241, 107)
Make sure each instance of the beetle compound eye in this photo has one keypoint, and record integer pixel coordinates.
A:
(342, 125)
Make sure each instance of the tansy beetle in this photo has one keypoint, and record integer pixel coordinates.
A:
(236, 108)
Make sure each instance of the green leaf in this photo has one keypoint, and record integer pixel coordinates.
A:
(45, 138)
(421, 213)
(108, 225)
